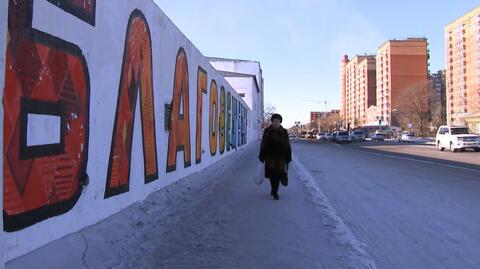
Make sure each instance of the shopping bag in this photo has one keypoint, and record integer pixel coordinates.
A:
(260, 174)
(284, 179)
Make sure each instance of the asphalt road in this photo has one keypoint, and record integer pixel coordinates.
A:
(411, 205)
(421, 151)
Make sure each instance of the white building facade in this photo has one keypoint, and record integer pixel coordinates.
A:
(246, 79)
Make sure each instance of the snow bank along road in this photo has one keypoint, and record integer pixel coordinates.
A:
(421, 151)
(409, 211)
(220, 219)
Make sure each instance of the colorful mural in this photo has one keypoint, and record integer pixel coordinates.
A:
(82, 9)
(201, 90)
(47, 84)
(136, 76)
(221, 120)
(245, 126)
(234, 123)
(179, 136)
(229, 121)
(213, 118)
(47, 76)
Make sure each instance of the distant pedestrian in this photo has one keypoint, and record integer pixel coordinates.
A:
(276, 152)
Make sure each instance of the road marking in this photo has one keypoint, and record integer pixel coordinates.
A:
(341, 229)
(413, 159)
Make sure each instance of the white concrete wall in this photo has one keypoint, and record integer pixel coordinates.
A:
(239, 66)
(252, 68)
(253, 95)
(103, 48)
(253, 98)
(228, 66)
(243, 85)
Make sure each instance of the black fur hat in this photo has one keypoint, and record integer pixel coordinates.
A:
(276, 116)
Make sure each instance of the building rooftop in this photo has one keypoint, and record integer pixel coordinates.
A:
(218, 59)
(408, 39)
(473, 10)
(240, 75)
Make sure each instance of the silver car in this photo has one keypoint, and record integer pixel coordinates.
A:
(343, 137)
(358, 136)
(378, 137)
(329, 137)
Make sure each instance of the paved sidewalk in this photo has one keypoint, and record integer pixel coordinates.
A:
(217, 218)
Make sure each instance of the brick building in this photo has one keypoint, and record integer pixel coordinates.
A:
(462, 38)
(343, 86)
(360, 93)
(401, 65)
(438, 102)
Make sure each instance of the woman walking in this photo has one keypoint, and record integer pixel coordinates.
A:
(276, 152)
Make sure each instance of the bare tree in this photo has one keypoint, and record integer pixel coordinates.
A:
(268, 111)
(437, 105)
(328, 123)
(414, 108)
(436, 113)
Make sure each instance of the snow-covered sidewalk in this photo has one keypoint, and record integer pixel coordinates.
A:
(217, 218)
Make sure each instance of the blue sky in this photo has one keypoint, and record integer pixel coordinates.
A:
(300, 42)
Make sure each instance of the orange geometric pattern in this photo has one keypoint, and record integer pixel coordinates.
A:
(179, 136)
(136, 77)
(47, 76)
(82, 9)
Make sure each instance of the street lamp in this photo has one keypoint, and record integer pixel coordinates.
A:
(380, 120)
(297, 125)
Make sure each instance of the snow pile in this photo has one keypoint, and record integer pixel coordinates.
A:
(218, 218)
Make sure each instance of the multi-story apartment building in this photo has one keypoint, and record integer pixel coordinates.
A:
(359, 89)
(343, 87)
(438, 98)
(462, 39)
(367, 93)
(314, 115)
(325, 121)
(401, 64)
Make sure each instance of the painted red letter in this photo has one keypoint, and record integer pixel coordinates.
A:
(179, 137)
(45, 77)
(201, 89)
(136, 76)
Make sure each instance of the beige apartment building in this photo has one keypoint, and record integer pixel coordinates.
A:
(462, 39)
(343, 87)
(359, 90)
(367, 94)
(401, 65)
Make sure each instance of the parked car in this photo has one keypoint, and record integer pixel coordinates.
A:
(357, 136)
(407, 137)
(456, 138)
(334, 136)
(330, 137)
(378, 137)
(343, 137)
(320, 135)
